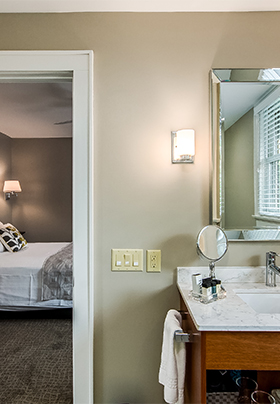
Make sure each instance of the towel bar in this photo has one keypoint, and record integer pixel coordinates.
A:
(182, 336)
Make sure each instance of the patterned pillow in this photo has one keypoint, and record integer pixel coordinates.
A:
(11, 238)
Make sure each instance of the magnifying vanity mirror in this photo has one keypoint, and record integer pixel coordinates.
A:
(245, 126)
(212, 244)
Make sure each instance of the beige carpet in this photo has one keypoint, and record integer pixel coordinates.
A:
(36, 361)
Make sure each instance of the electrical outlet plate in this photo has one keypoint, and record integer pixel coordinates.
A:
(126, 260)
(153, 260)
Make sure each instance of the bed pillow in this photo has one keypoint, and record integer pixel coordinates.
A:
(11, 238)
(21, 240)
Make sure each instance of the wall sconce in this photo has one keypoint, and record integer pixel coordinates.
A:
(183, 146)
(11, 188)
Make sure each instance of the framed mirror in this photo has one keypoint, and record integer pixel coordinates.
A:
(245, 153)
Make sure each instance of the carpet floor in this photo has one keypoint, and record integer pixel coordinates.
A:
(36, 361)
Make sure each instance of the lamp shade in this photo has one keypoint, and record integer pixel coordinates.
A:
(12, 186)
(183, 146)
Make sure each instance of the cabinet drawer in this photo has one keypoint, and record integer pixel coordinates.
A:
(242, 350)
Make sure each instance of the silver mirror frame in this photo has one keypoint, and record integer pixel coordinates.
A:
(218, 76)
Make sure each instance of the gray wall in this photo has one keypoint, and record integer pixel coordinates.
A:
(239, 173)
(151, 77)
(5, 173)
(44, 207)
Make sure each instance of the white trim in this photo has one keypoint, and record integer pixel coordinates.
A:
(57, 6)
(80, 63)
(267, 218)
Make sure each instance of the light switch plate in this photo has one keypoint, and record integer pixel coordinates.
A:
(153, 260)
(126, 260)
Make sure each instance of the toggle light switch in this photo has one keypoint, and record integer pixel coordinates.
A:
(126, 260)
(135, 261)
(118, 261)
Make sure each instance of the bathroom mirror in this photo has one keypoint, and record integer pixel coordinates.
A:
(245, 154)
(212, 244)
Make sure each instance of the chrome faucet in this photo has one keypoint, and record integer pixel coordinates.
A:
(271, 269)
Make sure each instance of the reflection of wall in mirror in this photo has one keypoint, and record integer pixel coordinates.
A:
(221, 242)
(209, 242)
(239, 174)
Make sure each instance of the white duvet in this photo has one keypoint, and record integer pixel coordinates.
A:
(20, 277)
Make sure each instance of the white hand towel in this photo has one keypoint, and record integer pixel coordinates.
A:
(276, 395)
(173, 360)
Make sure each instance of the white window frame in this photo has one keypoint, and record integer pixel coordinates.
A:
(272, 97)
(80, 64)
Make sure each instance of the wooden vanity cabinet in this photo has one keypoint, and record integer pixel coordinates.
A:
(229, 350)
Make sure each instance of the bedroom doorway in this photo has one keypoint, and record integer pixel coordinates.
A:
(24, 64)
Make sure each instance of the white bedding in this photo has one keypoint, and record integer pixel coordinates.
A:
(21, 280)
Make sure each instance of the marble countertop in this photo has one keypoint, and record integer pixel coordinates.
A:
(230, 313)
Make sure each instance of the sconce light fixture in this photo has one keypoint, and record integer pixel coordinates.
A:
(11, 188)
(183, 146)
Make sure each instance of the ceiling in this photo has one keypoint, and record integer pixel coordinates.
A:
(40, 110)
(41, 6)
(239, 98)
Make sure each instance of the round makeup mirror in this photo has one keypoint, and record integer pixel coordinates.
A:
(212, 244)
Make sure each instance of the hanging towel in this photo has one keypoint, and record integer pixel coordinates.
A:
(173, 360)
(276, 394)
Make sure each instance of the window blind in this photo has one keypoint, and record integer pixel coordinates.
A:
(269, 160)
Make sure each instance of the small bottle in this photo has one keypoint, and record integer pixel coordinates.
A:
(218, 286)
(213, 285)
(206, 287)
(196, 284)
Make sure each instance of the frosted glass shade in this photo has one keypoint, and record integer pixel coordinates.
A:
(12, 186)
(183, 146)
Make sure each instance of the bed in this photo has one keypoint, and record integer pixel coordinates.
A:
(38, 276)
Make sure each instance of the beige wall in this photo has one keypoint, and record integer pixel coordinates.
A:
(151, 77)
(239, 173)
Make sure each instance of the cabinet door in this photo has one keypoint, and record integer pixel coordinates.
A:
(195, 384)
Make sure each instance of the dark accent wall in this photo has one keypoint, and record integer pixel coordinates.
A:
(44, 208)
(5, 174)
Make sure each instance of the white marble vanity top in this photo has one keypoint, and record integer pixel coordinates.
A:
(231, 313)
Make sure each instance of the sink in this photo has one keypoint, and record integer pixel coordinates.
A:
(260, 300)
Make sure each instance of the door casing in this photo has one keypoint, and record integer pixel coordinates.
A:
(25, 64)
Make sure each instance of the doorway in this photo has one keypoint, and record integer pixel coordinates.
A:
(23, 64)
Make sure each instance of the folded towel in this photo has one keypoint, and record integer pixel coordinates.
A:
(173, 360)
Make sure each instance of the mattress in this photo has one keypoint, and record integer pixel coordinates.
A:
(21, 278)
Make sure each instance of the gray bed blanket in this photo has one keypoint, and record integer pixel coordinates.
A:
(57, 275)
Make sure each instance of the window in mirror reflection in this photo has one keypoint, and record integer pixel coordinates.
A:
(267, 166)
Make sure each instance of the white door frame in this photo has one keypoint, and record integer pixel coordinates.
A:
(80, 64)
